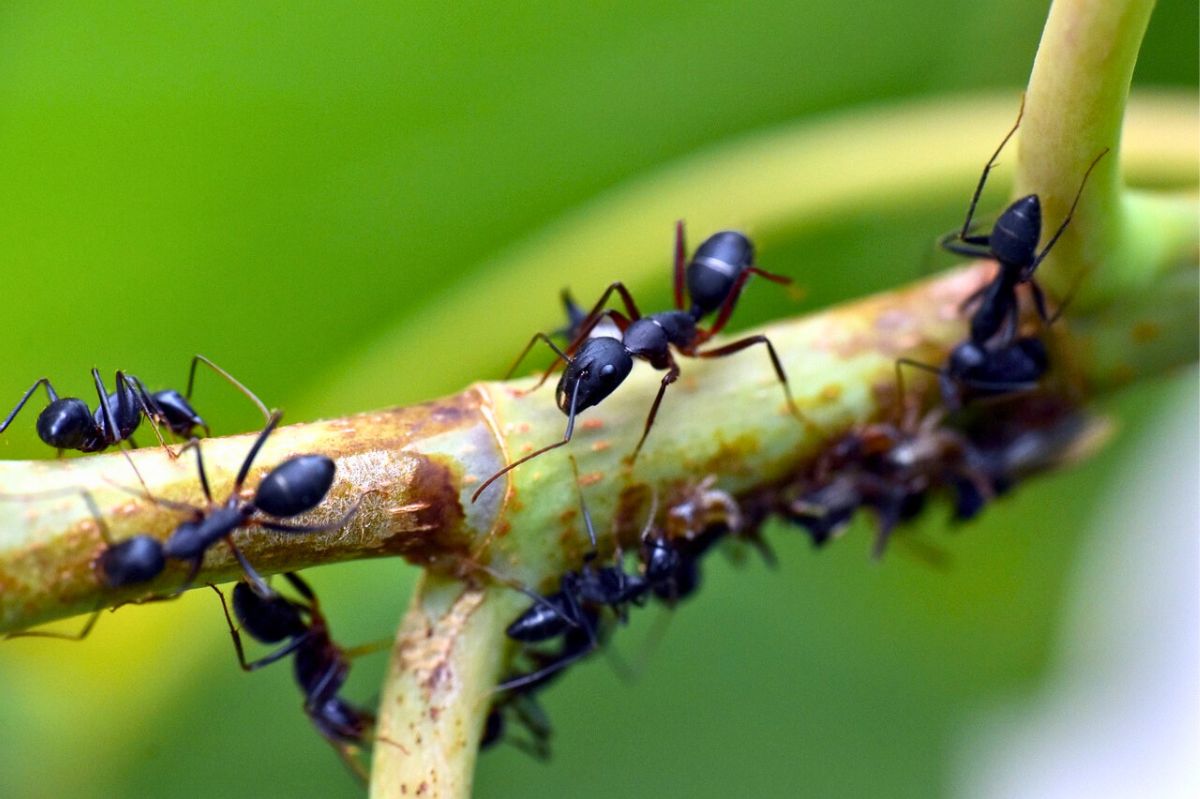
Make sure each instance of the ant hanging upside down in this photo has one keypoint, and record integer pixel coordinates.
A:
(597, 365)
(320, 665)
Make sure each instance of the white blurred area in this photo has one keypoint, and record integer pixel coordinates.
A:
(1120, 714)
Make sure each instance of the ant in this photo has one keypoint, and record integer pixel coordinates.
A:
(67, 423)
(597, 365)
(1012, 243)
(573, 612)
(321, 667)
(295, 486)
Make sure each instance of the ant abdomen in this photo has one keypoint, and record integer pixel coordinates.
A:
(295, 486)
(715, 267)
(137, 559)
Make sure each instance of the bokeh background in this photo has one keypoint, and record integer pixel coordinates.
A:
(281, 186)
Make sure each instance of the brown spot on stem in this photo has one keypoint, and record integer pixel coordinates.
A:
(1145, 332)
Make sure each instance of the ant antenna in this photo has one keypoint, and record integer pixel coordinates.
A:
(566, 438)
(966, 228)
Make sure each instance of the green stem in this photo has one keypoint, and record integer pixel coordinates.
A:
(1074, 109)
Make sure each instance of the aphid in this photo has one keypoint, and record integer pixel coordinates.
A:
(67, 423)
(321, 667)
(1013, 243)
(597, 365)
(890, 468)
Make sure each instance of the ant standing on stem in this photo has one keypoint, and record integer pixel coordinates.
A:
(596, 366)
(68, 422)
(295, 486)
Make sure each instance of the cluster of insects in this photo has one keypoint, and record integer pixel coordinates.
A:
(990, 429)
(291, 488)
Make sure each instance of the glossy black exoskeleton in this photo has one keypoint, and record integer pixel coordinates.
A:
(67, 423)
(1013, 243)
(321, 667)
(973, 370)
(293, 487)
(596, 365)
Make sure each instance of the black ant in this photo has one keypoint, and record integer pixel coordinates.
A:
(321, 667)
(974, 369)
(1012, 243)
(67, 423)
(597, 365)
(293, 487)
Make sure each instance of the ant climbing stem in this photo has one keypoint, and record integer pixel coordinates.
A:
(596, 365)
(1013, 244)
(966, 228)
(321, 667)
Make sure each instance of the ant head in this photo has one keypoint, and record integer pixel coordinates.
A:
(716, 265)
(137, 559)
(295, 486)
(66, 423)
(597, 369)
(1014, 237)
(268, 620)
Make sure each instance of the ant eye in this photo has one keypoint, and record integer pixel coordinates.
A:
(607, 370)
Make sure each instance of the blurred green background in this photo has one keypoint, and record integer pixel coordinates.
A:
(278, 185)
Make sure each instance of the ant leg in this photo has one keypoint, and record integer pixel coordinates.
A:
(566, 438)
(966, 228)
(618, 318)
(536, 337)
(1053, 239)
(257, 584)
(110, 431)
(749, 341)
(587, 516)
(972, 249)
(198, 359)
(149, 407)
(272, 422)
(41, 381)
(782, 280)
(195, 444)
(254, 665)
(680, 263)
(596, 313)
(726, 309)
(79, 636)
(670, 377)
(566, 658)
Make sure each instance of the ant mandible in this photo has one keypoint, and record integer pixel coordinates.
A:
(1012, 243)
(321, 667)
(597, 365)
(67, 423)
